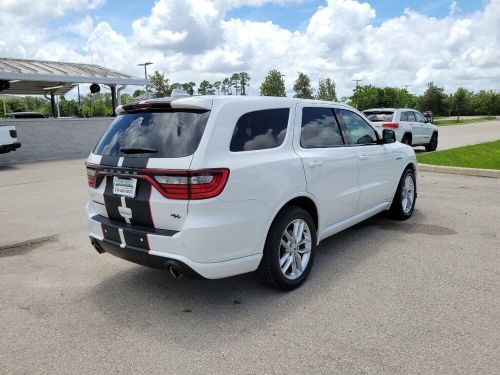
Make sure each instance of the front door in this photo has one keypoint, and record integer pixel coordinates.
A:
(377, 164)
(331, 167)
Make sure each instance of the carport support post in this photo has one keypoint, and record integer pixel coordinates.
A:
(113, 99)
(53, 104)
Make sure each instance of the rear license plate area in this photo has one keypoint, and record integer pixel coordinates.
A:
(125, 187)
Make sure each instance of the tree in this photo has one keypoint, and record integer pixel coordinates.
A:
(433, 99)
(205, 88)
(235, 82)
(365, 97)
(484, 102)
(273, 84)
(460, 101)
(138, 92)
(226, 87)
(302, 87)
(188, 87)
(126, 99)
(216, 86)
(244, 82)
(159, 85)
(326, 90)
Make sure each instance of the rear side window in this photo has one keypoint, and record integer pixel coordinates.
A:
(411, 116)
(379, 116)
(319, 128)
(260, 130)
(167, 134)
(403, 116)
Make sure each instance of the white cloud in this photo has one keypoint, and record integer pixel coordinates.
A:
(40, 11)
(83, 28)
(190, 40)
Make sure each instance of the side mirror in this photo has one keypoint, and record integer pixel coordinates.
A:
(388, 136)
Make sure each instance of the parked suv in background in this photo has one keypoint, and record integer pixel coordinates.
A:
(218, 186)
(8, 139)
(410, 126)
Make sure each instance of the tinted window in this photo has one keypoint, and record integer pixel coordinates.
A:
(319, 128)
(403, 116)
(379, 116)
(357, 129)
(420, 117)
(411, 116)
(260, 130)
(173, 134)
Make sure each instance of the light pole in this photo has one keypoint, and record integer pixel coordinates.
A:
(145, 65)
(357, 85)
(407, 99)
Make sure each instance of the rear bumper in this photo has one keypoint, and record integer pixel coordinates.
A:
(8, 148)
(217, 239)
(185, 266)
(142, 257)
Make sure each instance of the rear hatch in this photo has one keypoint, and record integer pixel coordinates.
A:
(380, 118)
(139, 172)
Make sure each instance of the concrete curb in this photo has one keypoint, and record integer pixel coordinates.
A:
(493, 173)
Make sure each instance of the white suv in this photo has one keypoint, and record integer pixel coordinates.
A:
(218, 186)
(8, 139)
(411, 127)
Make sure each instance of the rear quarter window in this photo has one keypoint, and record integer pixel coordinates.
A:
(260, 130)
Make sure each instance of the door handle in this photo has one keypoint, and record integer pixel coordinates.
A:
(363, 157)
(315, 164)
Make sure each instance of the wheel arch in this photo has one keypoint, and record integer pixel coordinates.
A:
(304, 200)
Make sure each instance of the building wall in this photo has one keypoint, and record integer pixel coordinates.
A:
(55, 139)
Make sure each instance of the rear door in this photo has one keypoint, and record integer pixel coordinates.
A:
(416, 130)
(425, 129)
(377, 164)
(142, 164)
(331, 168)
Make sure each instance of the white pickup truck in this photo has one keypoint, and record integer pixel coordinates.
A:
(8, 139)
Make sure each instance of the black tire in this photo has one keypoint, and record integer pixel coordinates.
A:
(396, 211)
(406, 139)
(269, 271)
(433, 143)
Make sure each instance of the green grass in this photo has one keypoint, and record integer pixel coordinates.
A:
(484, 156)
(461, 121)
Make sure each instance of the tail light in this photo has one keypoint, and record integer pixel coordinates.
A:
(201, 184)
(92, 177)
(172, 184)
(390, 125)
(13, 133)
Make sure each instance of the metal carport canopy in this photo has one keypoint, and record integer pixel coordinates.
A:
(36, 77)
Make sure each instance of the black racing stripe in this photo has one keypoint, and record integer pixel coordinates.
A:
(112, 201)
(111, 161)
(141, 212)
(110, 233)
(136, 239)
(135, 162)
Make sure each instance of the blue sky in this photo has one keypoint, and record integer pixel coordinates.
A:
(120, 14)
(295, 17)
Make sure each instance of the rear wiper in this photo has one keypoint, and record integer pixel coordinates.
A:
(138, 150)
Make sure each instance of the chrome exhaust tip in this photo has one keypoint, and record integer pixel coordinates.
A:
(98, 248)
(174, 272)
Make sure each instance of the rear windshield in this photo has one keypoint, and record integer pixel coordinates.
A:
(166, 134)
(379, 116)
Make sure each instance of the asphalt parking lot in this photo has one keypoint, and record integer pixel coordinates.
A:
(421, 296)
